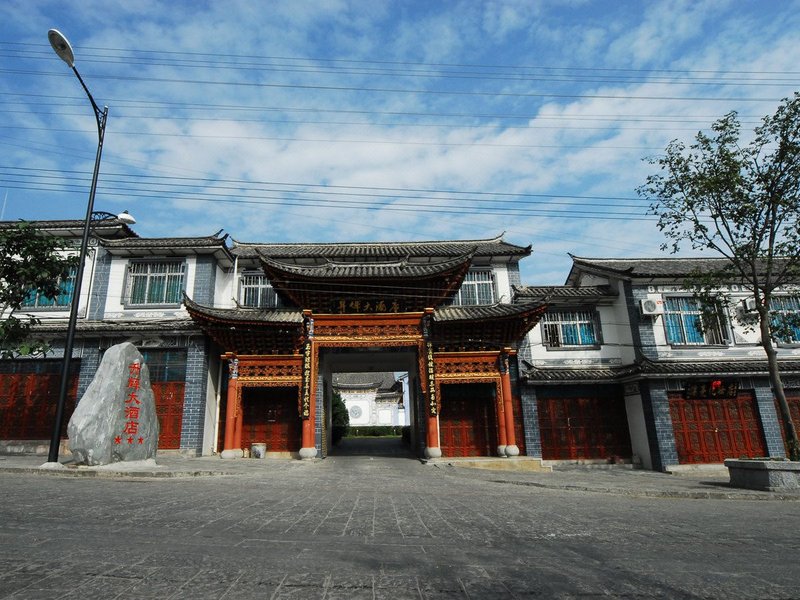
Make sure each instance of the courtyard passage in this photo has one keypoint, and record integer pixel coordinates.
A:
(360, 526)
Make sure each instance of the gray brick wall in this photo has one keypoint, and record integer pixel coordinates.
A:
(90, 361)
(514, 277)
(530, 419)
(204, 280)
(99, 287)
(769, 419)
(194, 403)
(642, 328)
(660, 433)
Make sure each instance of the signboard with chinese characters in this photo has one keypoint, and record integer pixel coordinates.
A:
(130, 429)
(365, 305)
(711, 388)
(433, 407)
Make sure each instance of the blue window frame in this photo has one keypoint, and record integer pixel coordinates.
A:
(477, 289)
(785, 318)
(685, 326)
(569, 329)
(34, 298)
(155, 283)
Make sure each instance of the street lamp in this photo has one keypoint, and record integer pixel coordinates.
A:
(63, 49)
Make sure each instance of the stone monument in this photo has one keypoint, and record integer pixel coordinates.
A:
(115, 419)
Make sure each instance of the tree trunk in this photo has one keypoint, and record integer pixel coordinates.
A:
(790, 433)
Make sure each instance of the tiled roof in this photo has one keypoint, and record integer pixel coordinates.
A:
(69, 228)
(174, 246)
(245, 315)
(647, 368)
(632, 268)
(546, 293)
(381, 381)
(716, 367)
(365, 270)
(377, 250)
(211, 241)
(117, 326)
(475, 313)
(650, 267)
(573, 375)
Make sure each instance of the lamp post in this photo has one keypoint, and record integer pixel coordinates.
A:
(64, 51)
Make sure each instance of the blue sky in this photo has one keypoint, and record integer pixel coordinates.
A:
(367, 120)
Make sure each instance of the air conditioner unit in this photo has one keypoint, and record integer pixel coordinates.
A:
(652, 305)
(749, 305)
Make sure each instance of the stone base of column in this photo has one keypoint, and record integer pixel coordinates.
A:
(501, 451)
(512, 450)
(236, 453)
(306, 453)
(433, 452)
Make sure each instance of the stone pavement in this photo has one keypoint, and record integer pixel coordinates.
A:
(364, 526)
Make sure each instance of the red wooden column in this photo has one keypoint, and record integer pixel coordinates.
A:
(501, 421)
(428, 379)
(308, 400)
(233, 413)
(505, 383)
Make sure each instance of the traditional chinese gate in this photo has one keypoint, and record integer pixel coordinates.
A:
(709, 430)
(374, 306)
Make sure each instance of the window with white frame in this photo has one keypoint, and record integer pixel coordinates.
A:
(686, 326)
(256, 291)
(66, 286)
(477, 288)
(569, 329)
(785, 316)
(155, 283)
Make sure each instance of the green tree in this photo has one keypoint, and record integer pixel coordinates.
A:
(30, 262)
(740, 200)
(340, 417)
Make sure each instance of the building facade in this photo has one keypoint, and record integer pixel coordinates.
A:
(247, 341)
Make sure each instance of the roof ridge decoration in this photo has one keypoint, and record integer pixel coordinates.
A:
(493, 240)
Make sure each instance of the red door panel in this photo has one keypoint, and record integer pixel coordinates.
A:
(28, 397)
(168, 397)
(586, 427)
(709, 430)
(467, 421)
(270, 416)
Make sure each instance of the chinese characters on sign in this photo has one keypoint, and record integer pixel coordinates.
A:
(370, 305)
(130, 431)
(431, 382)
(306, 408)
(715, 388)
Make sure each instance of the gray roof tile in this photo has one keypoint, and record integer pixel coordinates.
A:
(381, 250)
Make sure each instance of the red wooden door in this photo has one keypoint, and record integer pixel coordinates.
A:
(467, 421)
(586, 427)
(167, 370)
(168, 396)
(270, 416)
(709, 430)
(28, 397)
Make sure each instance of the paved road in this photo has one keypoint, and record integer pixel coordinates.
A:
(381, 527)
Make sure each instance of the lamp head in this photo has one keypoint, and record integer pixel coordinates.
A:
(126, 218)
(61, 45)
